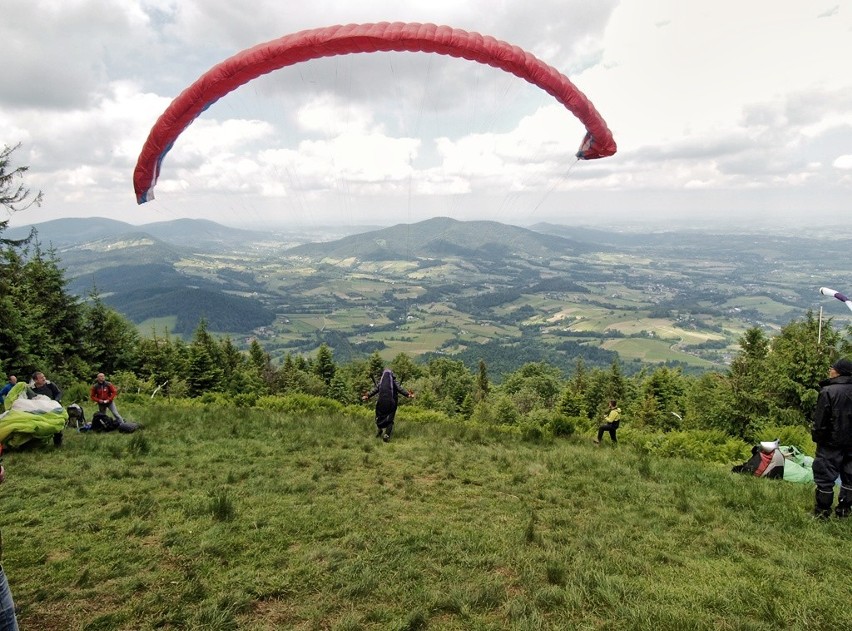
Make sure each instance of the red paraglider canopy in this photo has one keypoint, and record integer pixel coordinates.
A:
(361, 38)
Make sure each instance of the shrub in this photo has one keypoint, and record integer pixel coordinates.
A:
(704, 445)
(788, 435)
(562, 425)
(306, 404)
(419, 415)
(535, 432)
(75, 393)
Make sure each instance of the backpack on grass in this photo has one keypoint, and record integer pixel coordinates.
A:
(103, 423)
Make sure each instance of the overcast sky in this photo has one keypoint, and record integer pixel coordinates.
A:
(722, 110)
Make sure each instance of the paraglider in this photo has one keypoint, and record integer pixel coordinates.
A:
(825, 291)
(361, 38)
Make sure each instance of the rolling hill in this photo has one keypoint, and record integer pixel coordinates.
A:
(184, 233)
(442, 237)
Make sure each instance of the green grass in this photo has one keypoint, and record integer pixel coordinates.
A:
(651, 350)
(243, 519)
(157, 325)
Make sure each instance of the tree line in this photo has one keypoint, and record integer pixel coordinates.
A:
(771, 382)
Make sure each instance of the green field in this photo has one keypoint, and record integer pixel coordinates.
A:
(651, 351)
(222, 519)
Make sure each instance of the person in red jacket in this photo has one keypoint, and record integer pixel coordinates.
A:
(103, 393)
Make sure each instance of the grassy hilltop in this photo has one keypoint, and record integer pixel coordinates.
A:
(213, 518)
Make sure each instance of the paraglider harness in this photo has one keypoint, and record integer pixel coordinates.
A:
(76, 417)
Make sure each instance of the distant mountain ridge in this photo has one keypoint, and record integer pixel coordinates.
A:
(191, 233)
(169, 269)
(443, 236)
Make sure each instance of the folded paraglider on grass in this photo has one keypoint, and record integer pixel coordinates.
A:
(771, 460)
(25, 419)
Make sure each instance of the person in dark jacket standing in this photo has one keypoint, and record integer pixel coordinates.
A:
(388, 389)
(831, 430)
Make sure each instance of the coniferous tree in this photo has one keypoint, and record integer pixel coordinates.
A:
(571, 403)
(482, 384)
(404, 368)
(579, 380)
(111, 341)
(18, 340)
(14, 197)
(58, 313)
(375, 366)
(261, 365)
(204, 369)
(796, 366)
(324, 367)
(665, 387)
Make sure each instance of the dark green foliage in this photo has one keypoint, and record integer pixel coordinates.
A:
(223, 312)
(111, 341)
(505, 357)
(324, 367)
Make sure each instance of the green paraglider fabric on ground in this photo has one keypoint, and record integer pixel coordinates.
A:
(18, 427)
(797, 466)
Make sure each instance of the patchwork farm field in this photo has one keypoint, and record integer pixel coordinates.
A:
(450, 287)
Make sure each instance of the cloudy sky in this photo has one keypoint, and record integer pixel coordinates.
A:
(723, 110)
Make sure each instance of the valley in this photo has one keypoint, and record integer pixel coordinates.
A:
(467, 290)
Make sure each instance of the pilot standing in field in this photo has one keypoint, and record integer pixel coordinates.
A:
(388, 389)
(103, 393)
(831, 430)
(611, 422)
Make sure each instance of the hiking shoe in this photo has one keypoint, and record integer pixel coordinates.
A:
(596, 441)
(385, 437)
(379, 433)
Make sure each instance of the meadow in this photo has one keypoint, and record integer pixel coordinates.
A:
(222, 518)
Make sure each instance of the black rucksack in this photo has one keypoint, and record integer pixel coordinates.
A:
(103, 422)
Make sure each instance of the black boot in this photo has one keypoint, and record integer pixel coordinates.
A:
(822, 515)
(844, 507)
(822, 506)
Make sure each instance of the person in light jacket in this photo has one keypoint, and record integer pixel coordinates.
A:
(611, 422)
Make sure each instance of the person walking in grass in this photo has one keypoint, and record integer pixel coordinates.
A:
(831, 430)
(611, 422)
(388, 389)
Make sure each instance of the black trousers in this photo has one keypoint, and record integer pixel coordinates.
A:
(384, 418)
(831, 462)
(608, 427)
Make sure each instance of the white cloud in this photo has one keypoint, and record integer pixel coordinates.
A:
(731, 100)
